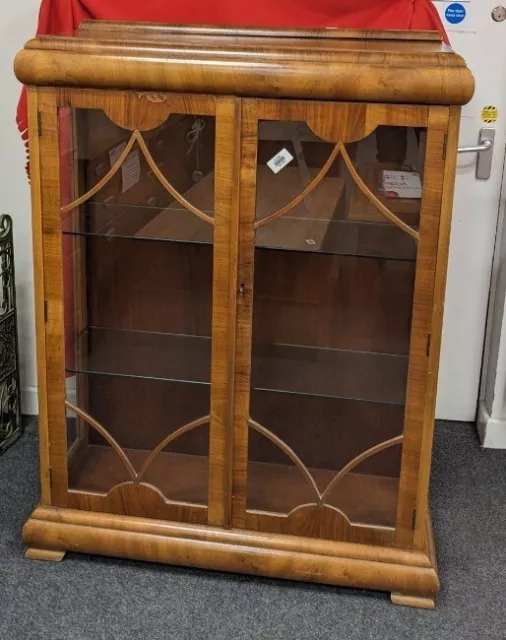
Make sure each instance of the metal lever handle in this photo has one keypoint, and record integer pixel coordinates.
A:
(485, 151)
(476, 149)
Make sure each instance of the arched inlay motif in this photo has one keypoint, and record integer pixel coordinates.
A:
(289, 452)
(106, 435)
(358, 460)
(321, 497)
(137, 477)
(340, 149)
(137, 137)
(303, 194)
(170, 438)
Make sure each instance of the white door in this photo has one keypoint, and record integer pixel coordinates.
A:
(482, 42)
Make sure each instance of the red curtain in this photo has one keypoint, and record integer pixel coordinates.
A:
(64, 16)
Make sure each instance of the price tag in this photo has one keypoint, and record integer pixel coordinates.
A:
(115, 153)
(130, 169)
(402, 184)
(280, 160)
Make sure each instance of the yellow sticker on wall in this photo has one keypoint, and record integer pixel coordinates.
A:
(489, 114)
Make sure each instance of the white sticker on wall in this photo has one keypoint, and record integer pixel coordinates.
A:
(130, 169)
(280, 160)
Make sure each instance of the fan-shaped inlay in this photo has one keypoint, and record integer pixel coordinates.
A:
(137, 477)
(137, 137)
(340, 149)
(322, 497)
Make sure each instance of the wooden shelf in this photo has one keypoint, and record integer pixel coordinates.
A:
(304, 370)
(366, 499)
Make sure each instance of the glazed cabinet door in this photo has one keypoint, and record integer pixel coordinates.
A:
(340, 208)
(135, 239)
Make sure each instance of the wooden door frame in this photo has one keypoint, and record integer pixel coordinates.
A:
(48, 280)
(418, 429)
(129, 110)
(443, 244)
(349, 122)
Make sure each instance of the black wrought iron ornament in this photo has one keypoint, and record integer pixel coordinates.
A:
(10, 404)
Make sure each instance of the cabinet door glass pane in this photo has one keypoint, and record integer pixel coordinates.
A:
(333, 296)
(138, 268)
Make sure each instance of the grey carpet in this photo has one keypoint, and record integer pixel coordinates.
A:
(91, 597)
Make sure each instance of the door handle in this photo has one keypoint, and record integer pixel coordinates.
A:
(485, 151)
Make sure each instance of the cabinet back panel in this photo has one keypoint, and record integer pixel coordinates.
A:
(335, 301)
(326, 433)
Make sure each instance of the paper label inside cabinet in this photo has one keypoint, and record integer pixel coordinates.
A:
(130, 169)
(280, 160)
(401, 184)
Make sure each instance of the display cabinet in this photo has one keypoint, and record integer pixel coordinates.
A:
(240, 242)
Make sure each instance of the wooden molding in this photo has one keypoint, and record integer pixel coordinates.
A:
(338, 563)
(360, 66)
(153, 29)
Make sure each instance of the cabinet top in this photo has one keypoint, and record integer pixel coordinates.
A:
(325, 64)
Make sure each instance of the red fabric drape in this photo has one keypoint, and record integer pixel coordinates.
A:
(58, 16)
(64, 16)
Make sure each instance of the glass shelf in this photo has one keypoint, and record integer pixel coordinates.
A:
(302, 370)
(337, 237)
(353, 239)
(321, 229)
(144, 355)
(139, 222)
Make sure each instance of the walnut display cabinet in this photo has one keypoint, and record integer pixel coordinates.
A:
(241, 241)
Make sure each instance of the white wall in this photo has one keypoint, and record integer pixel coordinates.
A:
(18, 23)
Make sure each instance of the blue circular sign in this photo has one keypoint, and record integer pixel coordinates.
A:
(455, 13)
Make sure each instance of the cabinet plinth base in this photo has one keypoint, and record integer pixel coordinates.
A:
(32, 553)
(410, 575)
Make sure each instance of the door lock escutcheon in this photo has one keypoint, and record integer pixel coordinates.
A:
(485, 151)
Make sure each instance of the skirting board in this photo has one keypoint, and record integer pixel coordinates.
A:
(29, 401)
(410, 575)
(492, 431)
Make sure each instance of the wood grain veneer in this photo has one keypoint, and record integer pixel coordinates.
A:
(253, 63)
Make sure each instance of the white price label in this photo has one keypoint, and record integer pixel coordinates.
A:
(130, 169)
(402, 184)
(280, 160)
(115, 153)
